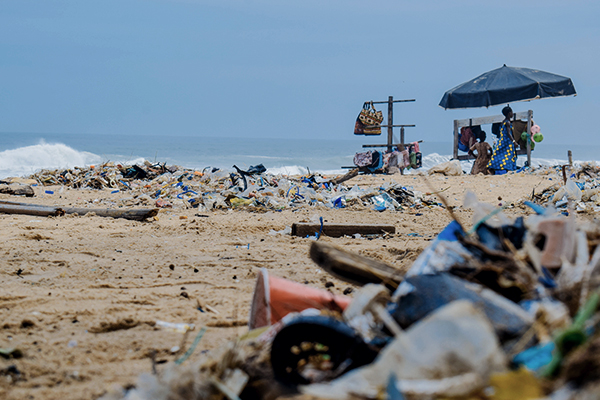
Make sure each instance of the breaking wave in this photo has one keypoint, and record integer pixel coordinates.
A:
(27, 160)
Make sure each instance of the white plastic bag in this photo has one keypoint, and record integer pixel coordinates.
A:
(449, 168)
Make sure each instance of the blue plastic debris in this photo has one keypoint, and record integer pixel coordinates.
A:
(318, 234)
(430, 292)
(392, 390)
(547, 280)
(337, 203)
(539, 210)
(536, 357)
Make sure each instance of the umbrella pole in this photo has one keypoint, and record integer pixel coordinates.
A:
(529, 117)
(455, 151)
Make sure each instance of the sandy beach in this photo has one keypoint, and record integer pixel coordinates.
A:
(80, 295)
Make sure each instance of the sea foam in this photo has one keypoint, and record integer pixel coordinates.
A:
(27, 160)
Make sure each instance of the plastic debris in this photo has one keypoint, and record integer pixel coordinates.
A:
(175, 327)
(455, 341)
(429, 292)
(211, 189)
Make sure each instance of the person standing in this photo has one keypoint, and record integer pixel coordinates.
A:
(504, 156)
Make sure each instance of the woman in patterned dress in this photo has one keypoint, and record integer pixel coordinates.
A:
(504, 157)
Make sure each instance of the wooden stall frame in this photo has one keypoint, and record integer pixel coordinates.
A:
(390, 123)
(390, 127)
(460, 123)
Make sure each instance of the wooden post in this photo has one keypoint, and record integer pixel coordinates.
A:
(390, 123)
(402, 139)
(529, 117)
(455, 149)
(402, 148)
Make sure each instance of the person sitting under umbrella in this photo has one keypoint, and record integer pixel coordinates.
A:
(504, 157)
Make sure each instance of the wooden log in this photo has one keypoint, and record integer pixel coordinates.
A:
(17, 189)
(8, 207)
(133, 214)
(351, 174)
(354, 268)
(304, 229)
(32, 209)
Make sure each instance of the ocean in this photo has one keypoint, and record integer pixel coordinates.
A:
(22, 154)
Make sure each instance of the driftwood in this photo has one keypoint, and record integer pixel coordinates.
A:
(17, 189)
(8, 207)
(351, 174)
(304, 229)
(353, 268)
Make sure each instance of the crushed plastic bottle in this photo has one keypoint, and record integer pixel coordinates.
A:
(175, 327)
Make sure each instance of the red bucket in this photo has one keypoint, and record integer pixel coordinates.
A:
(274, 298)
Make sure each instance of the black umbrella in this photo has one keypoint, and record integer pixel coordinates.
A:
(507, 85)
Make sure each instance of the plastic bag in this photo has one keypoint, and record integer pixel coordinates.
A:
(453, 341)
(449, 168)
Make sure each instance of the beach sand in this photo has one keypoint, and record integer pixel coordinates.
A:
(79, 295)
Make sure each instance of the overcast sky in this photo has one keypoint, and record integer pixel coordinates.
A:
(283, 68)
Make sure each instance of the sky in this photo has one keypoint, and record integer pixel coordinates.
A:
(283, 69)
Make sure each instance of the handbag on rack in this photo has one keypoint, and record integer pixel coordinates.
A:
(373, 123)
(368, 121)
(359, 126)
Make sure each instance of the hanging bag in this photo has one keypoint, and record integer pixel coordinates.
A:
(359, 126)
(373, 121)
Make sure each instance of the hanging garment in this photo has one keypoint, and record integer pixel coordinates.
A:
(363, 159)
(404, 162)
(376, 161)
(464, 138)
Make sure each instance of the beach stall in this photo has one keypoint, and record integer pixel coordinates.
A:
(371, 125)
(502, 86)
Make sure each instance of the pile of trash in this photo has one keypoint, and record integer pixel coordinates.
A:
(581, 187)
(170, 186)
(503, 309)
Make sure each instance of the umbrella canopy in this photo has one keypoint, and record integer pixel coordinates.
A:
(507, 85)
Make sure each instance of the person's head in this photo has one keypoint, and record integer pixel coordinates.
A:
(507, 112)
(482, 136)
